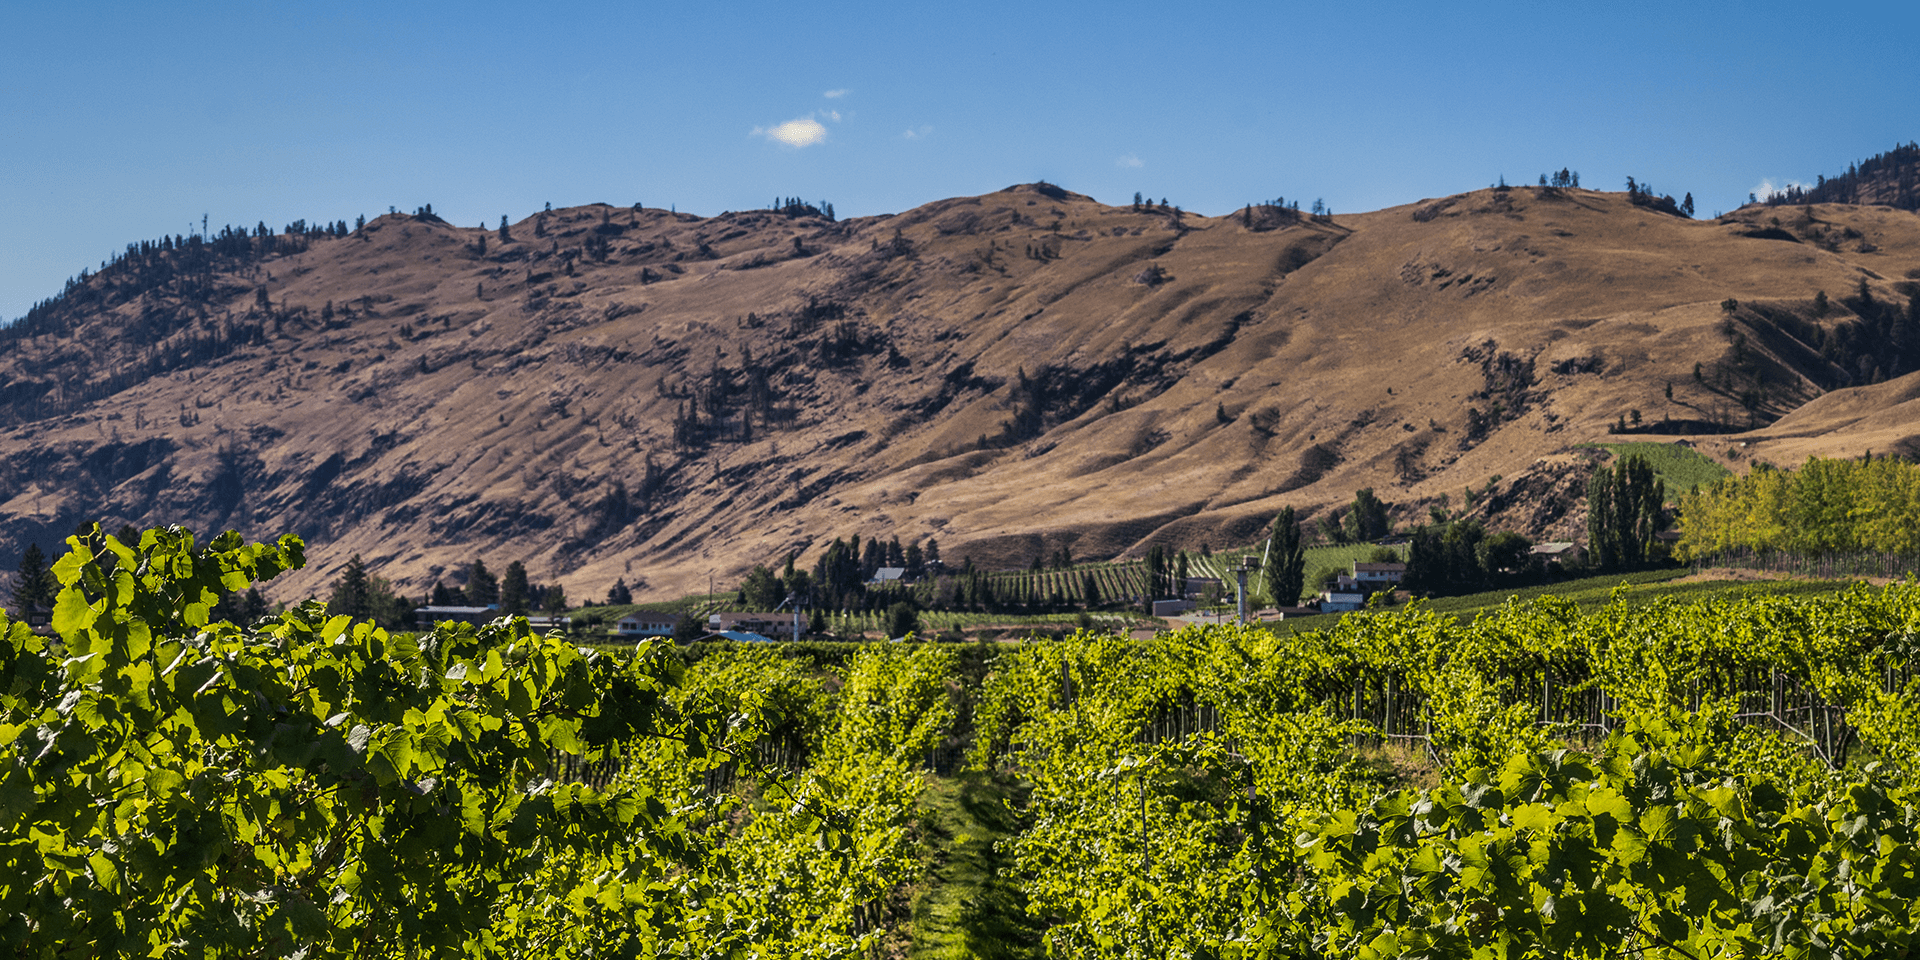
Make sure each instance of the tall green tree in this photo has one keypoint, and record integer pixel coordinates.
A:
(351, 594)
(1367, 519)
(1503, 552)
(762, 590)
(1624, 512)
(35, 585)
(388, 607)
(1286, 571)
(483, 588)
(903, 618)
(1426, 562)
(1156, 572)
(514, 590)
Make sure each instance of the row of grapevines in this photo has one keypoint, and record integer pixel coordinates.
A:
(171, 784)
(1197, 796)
(174, 784)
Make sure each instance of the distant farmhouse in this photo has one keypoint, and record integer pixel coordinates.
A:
(1351, 590)
(1561, 552)
(646, 623)
(778, 626)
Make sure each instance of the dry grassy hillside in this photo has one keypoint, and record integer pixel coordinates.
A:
(639, 394)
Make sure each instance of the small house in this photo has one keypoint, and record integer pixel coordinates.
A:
(1341, 599)
(1378, 576)
(1197, 587)
(1561, 552)
(778, 625)
(646, 623)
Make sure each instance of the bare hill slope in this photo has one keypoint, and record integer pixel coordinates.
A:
(619, 392)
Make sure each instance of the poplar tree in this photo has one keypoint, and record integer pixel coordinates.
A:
(1624, 512)
(1286, 570)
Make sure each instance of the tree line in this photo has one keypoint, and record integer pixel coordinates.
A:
(1826, 507)
(1899, 167)
(360, 594)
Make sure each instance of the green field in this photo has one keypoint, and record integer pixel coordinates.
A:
(1679, 468)
(1591, 593)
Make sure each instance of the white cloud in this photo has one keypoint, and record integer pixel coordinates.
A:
(917, 133)
(833, 115)
(1129, 161)
(1766, 188)
(801, 132)
(836, 94)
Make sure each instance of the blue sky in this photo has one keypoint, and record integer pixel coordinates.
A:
(123, 121)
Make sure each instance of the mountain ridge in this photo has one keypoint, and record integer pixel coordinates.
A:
(641, 394)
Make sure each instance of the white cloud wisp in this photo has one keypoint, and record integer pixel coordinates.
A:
(796, 133)
(1766, 188)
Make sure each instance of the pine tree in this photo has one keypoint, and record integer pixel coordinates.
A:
(620, 594)
(35, 585)
(514, 590)
(351, 594)
(483, 588)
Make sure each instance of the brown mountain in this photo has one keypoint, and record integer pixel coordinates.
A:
(641, 394)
